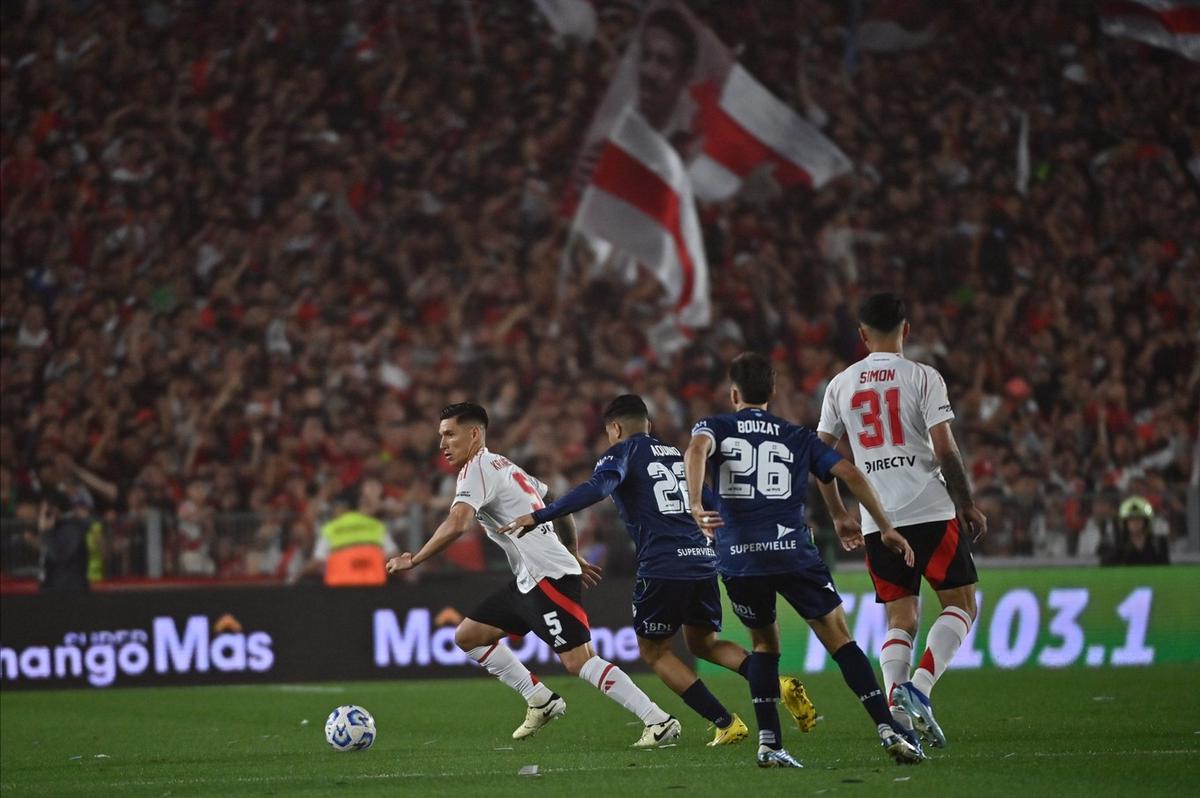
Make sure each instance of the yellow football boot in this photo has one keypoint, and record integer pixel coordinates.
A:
(795, 698)
(735, 732)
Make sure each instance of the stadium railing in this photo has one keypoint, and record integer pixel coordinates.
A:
(247, 547)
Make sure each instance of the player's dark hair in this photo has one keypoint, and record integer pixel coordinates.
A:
(671, 21)
(627, 405)
(884, 311)
(465, 412)
(754, 377)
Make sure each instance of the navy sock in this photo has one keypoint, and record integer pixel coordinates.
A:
(764, 692)
(860, 677)
(744, 668)
(706, 705)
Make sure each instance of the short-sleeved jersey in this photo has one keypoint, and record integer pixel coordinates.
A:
(886, 406)
(501, 492)
(760, 465)
(652, 499)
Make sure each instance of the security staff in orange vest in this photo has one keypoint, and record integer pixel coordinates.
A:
(354, 545)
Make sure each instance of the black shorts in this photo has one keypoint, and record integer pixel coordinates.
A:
(551, 611)
(941, 554)
(810, 592)
(661, 606)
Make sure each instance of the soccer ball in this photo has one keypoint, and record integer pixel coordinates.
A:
(350, 728)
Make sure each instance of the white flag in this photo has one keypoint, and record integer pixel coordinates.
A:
(1170, 24)
(640, 201)
(746, 127)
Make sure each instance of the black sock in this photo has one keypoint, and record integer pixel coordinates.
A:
(744, 669)
(860, 677)
(764, 692)
(706, 705)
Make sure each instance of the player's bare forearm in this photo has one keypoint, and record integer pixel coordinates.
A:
(858, 484)
(695, 458)
(450, 530)
(957, 484)
(833, 499)
(564, 527)
(945, 448)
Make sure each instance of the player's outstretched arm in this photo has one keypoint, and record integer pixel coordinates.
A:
(945, 448)
(596, 489)
(857, 482)
(564, 527)
(457, 522)
(848, 530)
(695, 461)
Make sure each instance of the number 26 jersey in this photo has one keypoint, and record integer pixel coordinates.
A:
(760, 465)
(885, 405)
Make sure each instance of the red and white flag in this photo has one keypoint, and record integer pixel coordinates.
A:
(1169, 24)
(745, 127)
(686, 83)
(639, 201)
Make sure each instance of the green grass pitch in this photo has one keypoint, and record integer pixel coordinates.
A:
(1024, 733)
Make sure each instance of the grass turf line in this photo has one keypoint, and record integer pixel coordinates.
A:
(1073, 732)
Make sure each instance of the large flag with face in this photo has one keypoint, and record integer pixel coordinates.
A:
(1169, 24)
(639, 201)
(725, 124)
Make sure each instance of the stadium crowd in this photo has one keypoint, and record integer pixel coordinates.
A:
(250, 249)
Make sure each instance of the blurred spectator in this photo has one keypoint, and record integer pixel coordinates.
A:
(70, 540)
(354, 545)
(195, 528)
(1098, 539)
(1138, 544)
(1048, 529)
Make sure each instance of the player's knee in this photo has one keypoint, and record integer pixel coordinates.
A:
(651, 650)
(573, 664)
(966, 601)
(702, 645)
(903, 618)
(466, 636)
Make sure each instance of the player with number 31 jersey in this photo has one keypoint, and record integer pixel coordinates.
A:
(895, 414)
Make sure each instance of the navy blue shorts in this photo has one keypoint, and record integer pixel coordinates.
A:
(810, 592)
(661, 606)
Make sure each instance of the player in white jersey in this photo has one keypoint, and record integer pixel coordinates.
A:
(895, 415)
(544, 596)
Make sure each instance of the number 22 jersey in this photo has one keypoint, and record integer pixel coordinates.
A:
(652, 500)
(760, 465)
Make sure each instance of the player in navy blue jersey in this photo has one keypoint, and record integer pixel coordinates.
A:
(760, 465)
(676, 576)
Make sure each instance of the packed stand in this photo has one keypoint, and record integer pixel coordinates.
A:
(250, 249)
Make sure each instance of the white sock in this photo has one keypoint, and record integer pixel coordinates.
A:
(895, 660)
(945, 637)
(613, 682)
(504, 665)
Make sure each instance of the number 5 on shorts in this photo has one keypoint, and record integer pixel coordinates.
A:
(552, 624)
